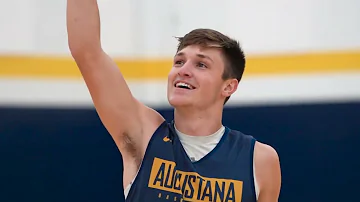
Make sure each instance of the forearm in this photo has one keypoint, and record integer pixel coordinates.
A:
(83, 26)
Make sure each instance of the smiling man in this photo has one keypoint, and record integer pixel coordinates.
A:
(194, 157)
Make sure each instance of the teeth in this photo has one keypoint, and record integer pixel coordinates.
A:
(181, 84)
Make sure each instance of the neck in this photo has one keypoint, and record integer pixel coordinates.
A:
(198, 122)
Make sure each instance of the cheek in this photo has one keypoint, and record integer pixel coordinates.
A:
(213, 87)
(171, 74)
(208, 86)
(171, 77)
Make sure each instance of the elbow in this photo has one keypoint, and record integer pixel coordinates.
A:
(77, 54)
(85, 56)
(80, 50)
(75, 49)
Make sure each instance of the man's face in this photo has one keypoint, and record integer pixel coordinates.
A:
(196, 77)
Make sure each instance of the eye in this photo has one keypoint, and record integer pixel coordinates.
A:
(178, 62)
(202, 65)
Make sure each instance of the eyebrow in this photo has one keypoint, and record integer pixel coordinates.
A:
(198, 55)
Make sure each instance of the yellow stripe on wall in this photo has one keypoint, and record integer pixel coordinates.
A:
(31, 66)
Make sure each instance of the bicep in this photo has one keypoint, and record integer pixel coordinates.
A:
(113, 101)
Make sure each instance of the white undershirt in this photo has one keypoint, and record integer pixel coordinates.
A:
(197, 147)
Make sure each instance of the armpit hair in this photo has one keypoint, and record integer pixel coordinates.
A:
(128, 144)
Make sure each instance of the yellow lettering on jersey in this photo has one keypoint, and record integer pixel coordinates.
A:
(191, 185)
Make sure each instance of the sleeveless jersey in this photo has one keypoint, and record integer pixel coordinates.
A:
(168, 174)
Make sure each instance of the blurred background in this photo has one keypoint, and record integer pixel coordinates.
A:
(300, 92)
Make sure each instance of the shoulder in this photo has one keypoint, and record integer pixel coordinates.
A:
(265, 154)
(268, 174)
(239, 135)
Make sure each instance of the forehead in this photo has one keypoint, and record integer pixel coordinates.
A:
(214, 54)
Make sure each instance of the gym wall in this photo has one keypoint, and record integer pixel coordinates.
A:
(300, 92)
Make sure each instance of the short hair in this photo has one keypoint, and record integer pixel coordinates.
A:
(234, 57)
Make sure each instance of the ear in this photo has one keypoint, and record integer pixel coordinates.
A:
(230, 86)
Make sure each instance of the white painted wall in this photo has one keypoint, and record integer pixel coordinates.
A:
(317, 88)
(144, 28)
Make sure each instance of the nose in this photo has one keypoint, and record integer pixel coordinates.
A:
(185, 70)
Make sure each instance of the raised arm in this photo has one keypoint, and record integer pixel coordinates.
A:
(122, 115)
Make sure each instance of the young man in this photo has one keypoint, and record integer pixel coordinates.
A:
(193, 158)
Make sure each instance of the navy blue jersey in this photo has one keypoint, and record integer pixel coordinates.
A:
(168, 174)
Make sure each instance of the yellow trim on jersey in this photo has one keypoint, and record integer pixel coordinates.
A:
(58, 67)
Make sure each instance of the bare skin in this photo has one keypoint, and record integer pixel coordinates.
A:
(196, 112)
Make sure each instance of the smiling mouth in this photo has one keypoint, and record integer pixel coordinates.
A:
(184, 86)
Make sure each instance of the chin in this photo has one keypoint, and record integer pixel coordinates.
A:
(177, 101)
